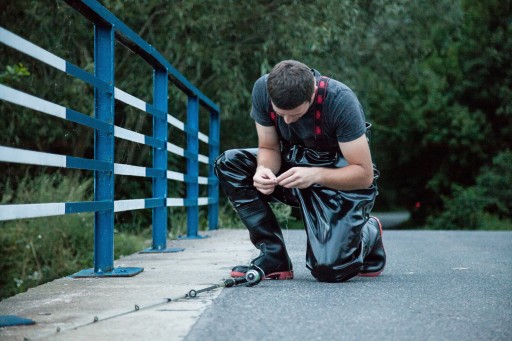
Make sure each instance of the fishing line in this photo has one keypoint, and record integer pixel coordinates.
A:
(254, 278)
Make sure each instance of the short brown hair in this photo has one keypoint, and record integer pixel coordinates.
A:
(290, 84)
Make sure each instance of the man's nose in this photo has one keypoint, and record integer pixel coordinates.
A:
(287, 120)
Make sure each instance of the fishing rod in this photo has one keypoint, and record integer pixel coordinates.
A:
(252, 277)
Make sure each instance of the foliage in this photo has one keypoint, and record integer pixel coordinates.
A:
(464, 209)
(35, 251)
(434, 78)
(472, 207)
(14, 73)
(496, 184)
(283, 213)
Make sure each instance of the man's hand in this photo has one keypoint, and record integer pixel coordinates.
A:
(298, 177)
(264, 180)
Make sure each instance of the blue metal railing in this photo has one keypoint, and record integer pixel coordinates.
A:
(108, 29)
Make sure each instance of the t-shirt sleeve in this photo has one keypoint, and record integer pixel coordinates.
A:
(260, 101)
(349, 119)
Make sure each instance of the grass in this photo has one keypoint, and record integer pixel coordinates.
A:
(35, 251)
(39, 250)
(493, 223)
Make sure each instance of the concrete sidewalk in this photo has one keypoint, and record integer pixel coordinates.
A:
(66, 303)
(438, 285)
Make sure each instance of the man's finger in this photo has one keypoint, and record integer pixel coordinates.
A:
(264, 186)
(266, 191)
(287, 183)
(264, 181)
(285, 177)
(282, 178)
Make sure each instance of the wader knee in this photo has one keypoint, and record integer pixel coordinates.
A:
(235, 169)
(368, 260)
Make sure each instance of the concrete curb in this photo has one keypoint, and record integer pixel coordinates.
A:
(66, 302)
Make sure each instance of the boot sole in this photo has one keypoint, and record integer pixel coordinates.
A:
(374, 274)
(370, 274)
(283, 275)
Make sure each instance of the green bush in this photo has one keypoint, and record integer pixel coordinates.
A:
(485, 205)
(283, 214)
(496, 185)
(463, 210)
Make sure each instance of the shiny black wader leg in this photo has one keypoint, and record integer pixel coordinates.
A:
(235, 170)
(343, 241)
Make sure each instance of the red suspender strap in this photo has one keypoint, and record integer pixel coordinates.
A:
(321, 93)
(272, 113)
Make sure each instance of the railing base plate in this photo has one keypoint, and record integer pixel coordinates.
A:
(117, 272)
(12, 320)
(193, 237)
(167, 250)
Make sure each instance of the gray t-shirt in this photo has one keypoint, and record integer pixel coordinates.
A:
(343, 118)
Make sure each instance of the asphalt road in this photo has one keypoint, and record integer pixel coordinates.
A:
(437, 285)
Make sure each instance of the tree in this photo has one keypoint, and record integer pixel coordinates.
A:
(434, 77)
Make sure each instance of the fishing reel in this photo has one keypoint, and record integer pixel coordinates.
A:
(254, 276)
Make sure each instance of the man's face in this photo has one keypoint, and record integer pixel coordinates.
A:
(292, 115)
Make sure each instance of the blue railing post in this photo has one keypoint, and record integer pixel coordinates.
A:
(192, 167)
(213, 185)
(159, 213)
(160, 89)
(104, 149)
(104, 104)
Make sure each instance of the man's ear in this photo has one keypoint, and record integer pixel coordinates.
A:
(314, 94)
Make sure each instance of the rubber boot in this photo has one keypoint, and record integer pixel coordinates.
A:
(375, 256)
(266, 235)
(235, 169)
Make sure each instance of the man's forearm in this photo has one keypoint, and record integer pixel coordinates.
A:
(269, 158)
(348, 178)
